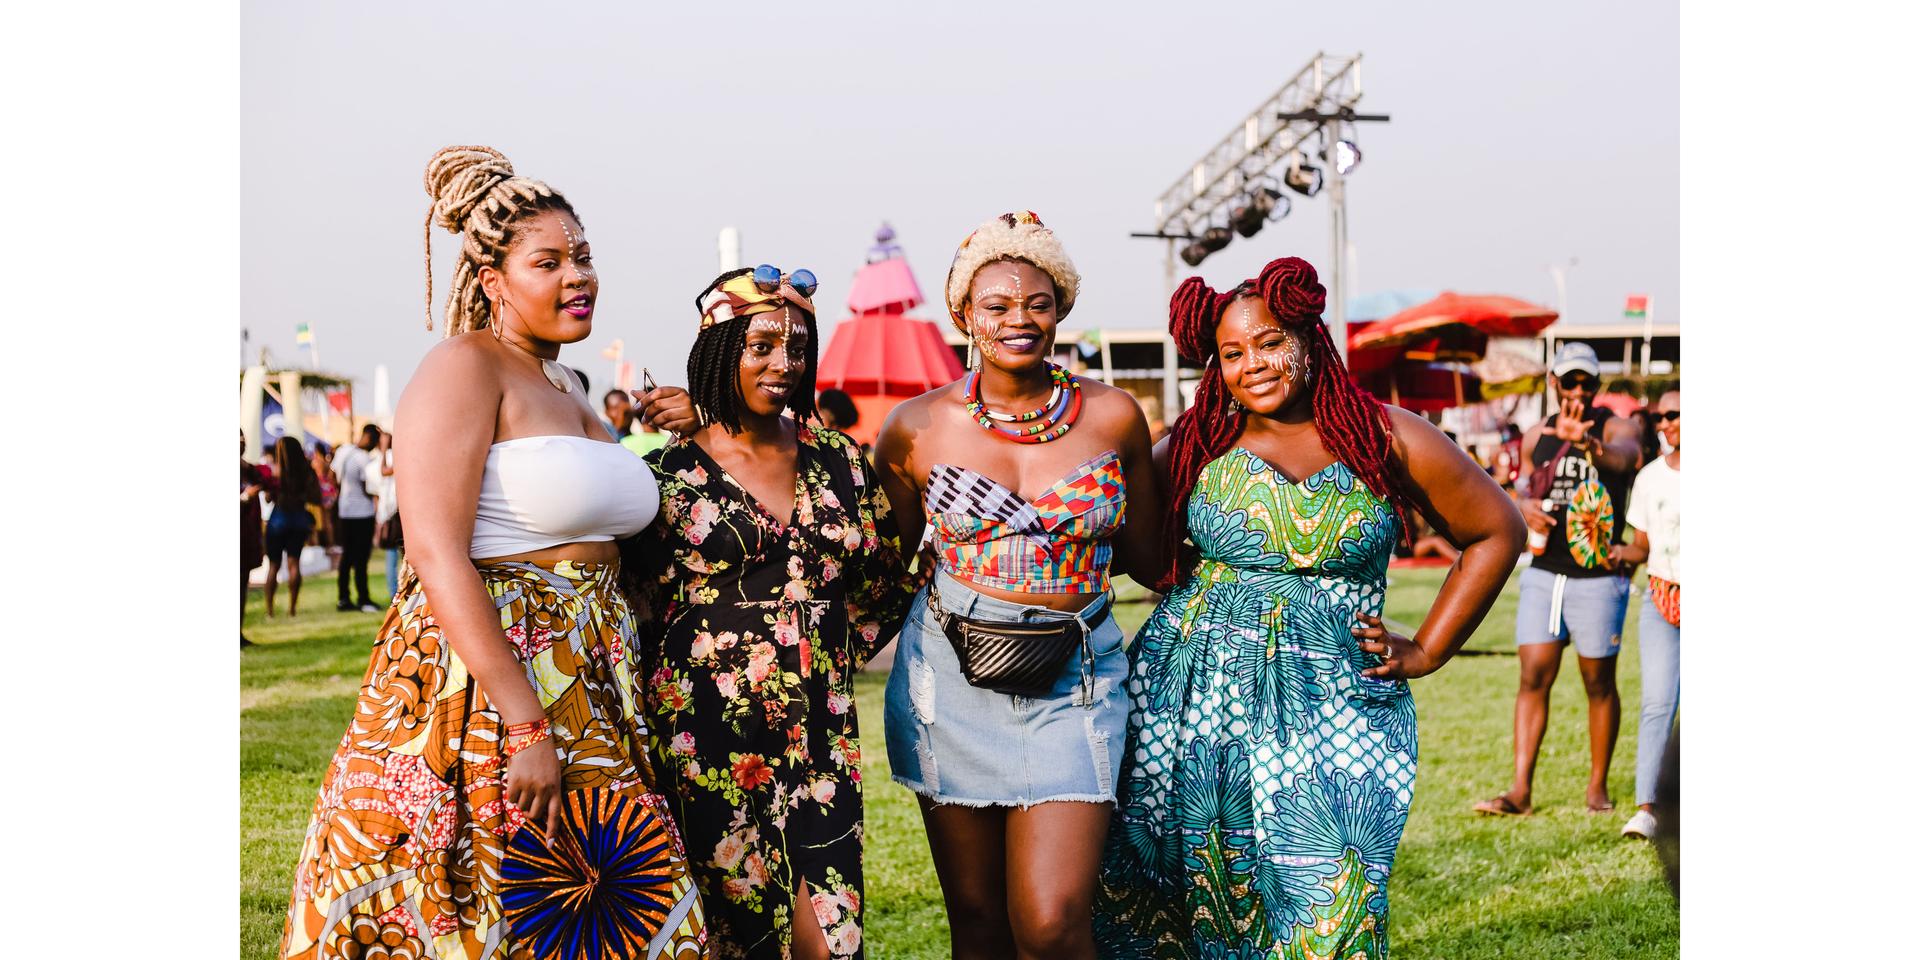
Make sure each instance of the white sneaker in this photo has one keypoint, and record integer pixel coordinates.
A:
(369, 608)
(1641, 825)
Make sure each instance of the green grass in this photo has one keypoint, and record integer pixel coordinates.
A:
(1561, 883)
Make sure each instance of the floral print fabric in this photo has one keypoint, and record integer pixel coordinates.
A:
(1266, 781)
(761, 627)
(408, 844)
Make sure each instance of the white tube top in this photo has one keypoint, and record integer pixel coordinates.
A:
(539, 492)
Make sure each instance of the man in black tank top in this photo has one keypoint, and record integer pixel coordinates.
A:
(1577, 467)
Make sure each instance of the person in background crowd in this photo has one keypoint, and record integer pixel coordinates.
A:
(618, 409)
(837, 410)
(323, 511)
(355, 529)
(288, 526)
(645, 439)
(253, 548)
(1650, 434)
(1582, 459)
(1506, 463)
(1653, 523)
(386, 503)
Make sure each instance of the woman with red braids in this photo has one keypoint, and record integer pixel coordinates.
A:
(1271, 746)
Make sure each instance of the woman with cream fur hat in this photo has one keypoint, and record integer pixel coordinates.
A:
(1006, 708)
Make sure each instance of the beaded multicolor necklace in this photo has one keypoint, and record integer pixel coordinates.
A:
(1049, 422)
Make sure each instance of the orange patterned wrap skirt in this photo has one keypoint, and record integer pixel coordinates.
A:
(413, 849)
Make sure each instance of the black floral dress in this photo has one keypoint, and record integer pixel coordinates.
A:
(759, 627)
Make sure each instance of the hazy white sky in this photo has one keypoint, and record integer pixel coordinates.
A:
(1523, 134)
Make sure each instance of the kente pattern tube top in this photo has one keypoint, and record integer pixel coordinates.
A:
(1060, 543)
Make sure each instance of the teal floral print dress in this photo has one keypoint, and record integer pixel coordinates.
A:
(1266, 782)
(759, 625)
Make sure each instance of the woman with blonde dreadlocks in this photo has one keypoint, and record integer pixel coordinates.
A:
(1005, 711)
(492, 796)
(1271, 748)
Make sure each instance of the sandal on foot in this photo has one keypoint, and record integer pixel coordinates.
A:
(1501, 806)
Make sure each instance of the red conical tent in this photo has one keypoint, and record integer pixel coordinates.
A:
(878, 354)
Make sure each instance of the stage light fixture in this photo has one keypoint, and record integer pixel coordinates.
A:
(1303, 177)
(1346, 156)
(1211, 241)
(1261, 207)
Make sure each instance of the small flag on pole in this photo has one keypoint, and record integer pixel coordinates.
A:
(303, 336)
(1636, 308)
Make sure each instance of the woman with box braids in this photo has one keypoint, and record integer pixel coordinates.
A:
(1271, 748)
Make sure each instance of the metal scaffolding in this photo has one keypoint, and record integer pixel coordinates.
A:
(1263, 142)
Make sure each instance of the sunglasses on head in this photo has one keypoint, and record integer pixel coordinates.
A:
(767, 277)
(1578, 381)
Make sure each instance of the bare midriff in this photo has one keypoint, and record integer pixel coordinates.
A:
(592, 551)
(1052, 601)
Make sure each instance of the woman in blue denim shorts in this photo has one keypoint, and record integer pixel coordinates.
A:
(1006, 709)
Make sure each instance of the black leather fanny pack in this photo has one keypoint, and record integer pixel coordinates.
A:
(1018, 659)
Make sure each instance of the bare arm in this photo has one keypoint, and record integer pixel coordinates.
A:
(1466, 507)
(893, 461)
(1138, 548)
(1634, 550)
(448, 413)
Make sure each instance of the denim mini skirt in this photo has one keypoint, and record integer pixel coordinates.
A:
(953, 742)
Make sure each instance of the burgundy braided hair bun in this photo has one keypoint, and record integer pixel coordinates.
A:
(1352, 425)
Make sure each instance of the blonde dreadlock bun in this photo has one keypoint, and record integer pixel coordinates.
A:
(1011, 236)
(476, 193)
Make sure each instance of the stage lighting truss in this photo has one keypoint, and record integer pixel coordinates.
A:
(1226, 174)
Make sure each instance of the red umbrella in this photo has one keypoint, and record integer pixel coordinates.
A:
(1451, 316)
(1412, 358)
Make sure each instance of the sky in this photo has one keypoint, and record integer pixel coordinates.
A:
(1522, 135)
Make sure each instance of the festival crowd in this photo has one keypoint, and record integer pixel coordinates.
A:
(610, 709)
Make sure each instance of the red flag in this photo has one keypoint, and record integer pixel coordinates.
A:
(341, 402)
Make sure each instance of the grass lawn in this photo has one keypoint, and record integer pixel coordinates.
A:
(1561, 883)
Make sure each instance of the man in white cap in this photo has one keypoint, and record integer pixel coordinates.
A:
(1577, 464)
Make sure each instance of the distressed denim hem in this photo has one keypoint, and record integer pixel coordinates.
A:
(938, 798)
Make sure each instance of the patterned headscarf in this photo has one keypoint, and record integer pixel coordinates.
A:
(741, 297)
